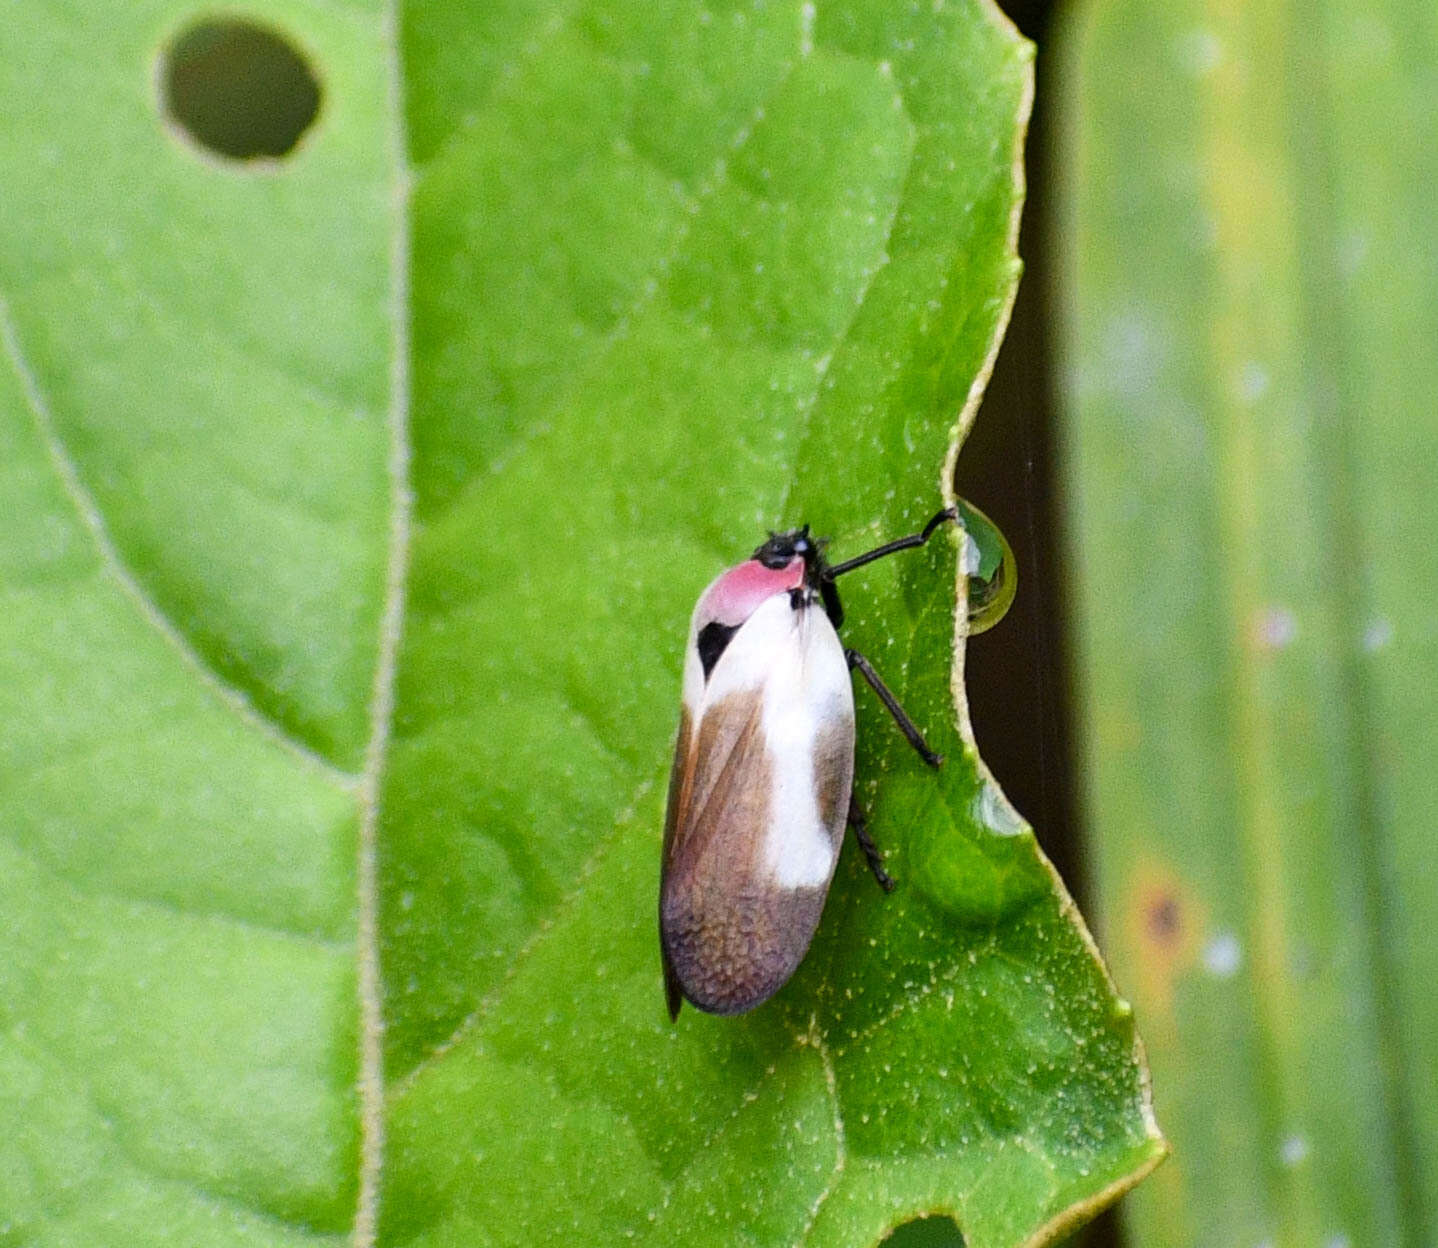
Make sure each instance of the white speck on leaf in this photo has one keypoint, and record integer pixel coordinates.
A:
(1352, 252)
(1293, 1150)
(1377, 635)
(1252, 382)
(1223, 955)
(1276, 627)
(1200, 52)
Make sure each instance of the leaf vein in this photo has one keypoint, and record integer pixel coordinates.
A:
(164, 905)
(473, 1020)
(841, 1150)
(88, 512)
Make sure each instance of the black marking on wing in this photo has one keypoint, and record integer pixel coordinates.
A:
(712, 641)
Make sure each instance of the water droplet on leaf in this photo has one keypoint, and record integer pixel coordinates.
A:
(988, 561)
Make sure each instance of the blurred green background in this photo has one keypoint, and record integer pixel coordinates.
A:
(1221, 373)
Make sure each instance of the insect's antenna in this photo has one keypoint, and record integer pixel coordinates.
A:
(893, 548)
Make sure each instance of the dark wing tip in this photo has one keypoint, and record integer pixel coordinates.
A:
(673, 995)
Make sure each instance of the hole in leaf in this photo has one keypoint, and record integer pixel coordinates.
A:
(931, 1232)
(238, 89)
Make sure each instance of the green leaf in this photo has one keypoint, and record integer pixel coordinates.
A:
(358, 503)
(1251, 255)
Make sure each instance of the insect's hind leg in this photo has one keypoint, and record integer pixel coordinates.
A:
(872, 854)
(906, 725)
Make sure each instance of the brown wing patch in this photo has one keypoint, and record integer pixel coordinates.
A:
(720, 773)
(834, 774)
(678, 779)
(730, 937)
(718, 787)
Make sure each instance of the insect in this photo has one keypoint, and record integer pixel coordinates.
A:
(761, 789)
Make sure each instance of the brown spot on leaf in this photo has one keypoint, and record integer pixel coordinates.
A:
(1163, 920)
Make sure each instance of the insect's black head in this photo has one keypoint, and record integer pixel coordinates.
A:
(782, 547)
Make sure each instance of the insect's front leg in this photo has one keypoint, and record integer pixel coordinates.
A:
(872, 854)
(859, 663)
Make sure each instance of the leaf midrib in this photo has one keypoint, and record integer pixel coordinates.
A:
(370, 987)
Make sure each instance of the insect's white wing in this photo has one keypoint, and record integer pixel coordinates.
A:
(758, 804)
(808, 728)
